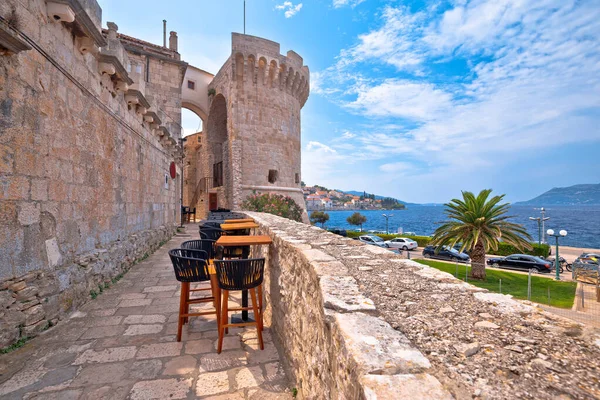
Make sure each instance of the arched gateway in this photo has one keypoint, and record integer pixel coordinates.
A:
(251, 118)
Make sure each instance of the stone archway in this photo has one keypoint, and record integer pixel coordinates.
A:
(217, 153)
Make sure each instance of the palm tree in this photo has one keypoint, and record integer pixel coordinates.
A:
(479, 224)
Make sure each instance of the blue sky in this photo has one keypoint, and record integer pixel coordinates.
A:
(419, 99)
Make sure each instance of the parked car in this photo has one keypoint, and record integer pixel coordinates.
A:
(522, 262)
(402, 243)
(341, 232)
(457, 247)
(373, 239)
(445, 253)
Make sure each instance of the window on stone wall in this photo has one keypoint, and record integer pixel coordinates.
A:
(297, 178)
(192, 85)
(218, 174)
(273, 175)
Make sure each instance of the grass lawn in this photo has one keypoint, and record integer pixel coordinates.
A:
(562, 293)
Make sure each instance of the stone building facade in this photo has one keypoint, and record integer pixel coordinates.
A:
(90, 152)
(251, 137)
(89, 124)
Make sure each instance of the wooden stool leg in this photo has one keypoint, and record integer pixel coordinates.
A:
(224, 317)
(187, 301)
(216, 293)
(256, 316)
(260, 306)
(182, 303)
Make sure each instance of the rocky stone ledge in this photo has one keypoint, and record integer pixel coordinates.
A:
(356, 321)
(33, 302)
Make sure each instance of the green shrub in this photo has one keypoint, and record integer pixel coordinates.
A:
(275, 204)
(505, 249)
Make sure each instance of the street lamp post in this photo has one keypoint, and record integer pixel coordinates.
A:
(540, 220)
(562, 233)
(387, 217)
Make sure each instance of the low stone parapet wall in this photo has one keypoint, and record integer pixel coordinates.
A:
(37, 300)
(355, 321)
(335, 345)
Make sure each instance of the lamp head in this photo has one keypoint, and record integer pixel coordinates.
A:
(533, 219)
(550, 232)
(563, 233)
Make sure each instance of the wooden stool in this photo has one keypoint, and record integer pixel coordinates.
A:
(244, 274)
(192, 266)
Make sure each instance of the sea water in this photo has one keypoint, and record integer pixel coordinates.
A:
(581, 222)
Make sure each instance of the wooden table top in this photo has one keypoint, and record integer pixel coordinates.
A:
(235, 221)
(243, 240)
(237, 226)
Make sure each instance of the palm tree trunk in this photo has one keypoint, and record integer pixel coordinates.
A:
(478, 261)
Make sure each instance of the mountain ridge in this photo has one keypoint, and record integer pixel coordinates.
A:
(582, 194)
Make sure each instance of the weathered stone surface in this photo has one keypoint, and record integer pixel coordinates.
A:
(392, 387)
(143, 329)
(486, 325)
(106, 356)
(161, 389)
(180, 365)
(341, 293)
(377, 348)
(467, 349)
(158, 350)
(211, 383)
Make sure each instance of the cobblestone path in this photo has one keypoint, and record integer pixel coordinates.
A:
(122, 346)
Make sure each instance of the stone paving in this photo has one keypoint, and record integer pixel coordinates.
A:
(122, 346)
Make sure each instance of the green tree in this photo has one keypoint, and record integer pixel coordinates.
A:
(357, 219)
(479, 223)
(319, 217)
(276, 204)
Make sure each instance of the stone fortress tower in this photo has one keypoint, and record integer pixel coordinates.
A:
(251, 136)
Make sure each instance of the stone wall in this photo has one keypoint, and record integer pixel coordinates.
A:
(80, 170)
(37, 300)
(356, 321)
(334, 343)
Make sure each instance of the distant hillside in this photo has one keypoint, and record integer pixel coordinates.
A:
(587, 195)
(377, 197)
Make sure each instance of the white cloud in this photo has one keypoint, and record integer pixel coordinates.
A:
(289, 8)
(401, 98)
(343, 3)
(529, 81)
(396, 167)
(319, 147)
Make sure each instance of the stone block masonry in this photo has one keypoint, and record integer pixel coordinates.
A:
(82, 175)
(37, 300)
(355, 321)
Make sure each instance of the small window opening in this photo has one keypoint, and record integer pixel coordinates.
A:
(297, 179)
(273, 175)
(192, 85)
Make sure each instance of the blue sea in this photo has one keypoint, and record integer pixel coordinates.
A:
(581, 222)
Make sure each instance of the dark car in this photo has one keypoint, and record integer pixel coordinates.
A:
(445, 253)
(457, 247)
(341, 232)
(522, 262)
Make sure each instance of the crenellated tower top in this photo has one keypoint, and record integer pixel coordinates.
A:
(258, 61)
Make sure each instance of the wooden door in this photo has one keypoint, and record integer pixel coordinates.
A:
(212, 201)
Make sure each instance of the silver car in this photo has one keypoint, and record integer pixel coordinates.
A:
(374, 240)
(402, 243)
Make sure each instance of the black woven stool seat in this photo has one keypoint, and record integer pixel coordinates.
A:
(240, 274)
(205, 245)
(190, 265)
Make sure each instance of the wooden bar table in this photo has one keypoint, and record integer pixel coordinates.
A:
(239, 226)
(238, 241)
(234, 221)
